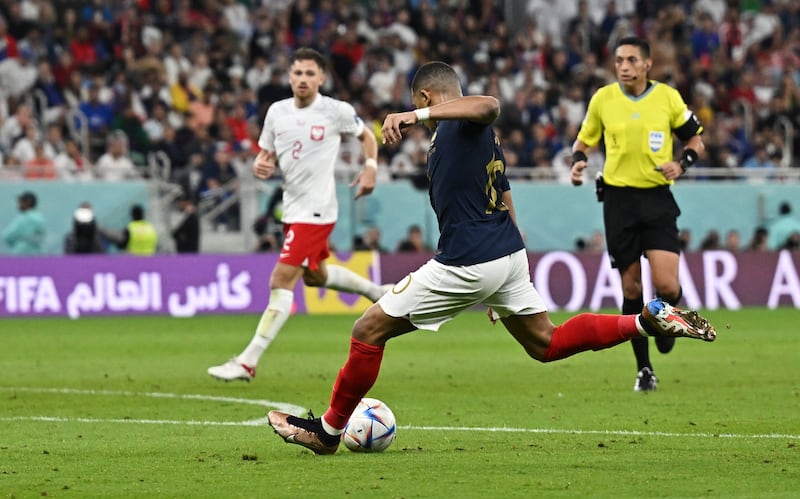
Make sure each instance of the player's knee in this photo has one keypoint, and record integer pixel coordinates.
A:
(366, 330)
(314, 280)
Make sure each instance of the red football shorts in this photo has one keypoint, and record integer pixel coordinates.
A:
(305, 245)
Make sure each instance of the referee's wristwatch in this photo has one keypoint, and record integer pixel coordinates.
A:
(688, 158)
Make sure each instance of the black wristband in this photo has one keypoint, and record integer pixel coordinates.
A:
(578, 156)
(688, 158)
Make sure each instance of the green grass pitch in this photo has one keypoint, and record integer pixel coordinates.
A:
(123, 407)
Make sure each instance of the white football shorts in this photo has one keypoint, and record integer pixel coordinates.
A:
(436, 293)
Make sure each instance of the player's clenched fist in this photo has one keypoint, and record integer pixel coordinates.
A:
(264, 164)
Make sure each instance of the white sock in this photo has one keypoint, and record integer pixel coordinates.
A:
(330, 430)
(273, 318)
(640, 326)
(342, 279)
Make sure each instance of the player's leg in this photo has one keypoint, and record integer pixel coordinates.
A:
(632, 303)
(545, 342)
(340, 278)
(664, 269)
(583, 332)
(303, 245)
(427, 298)
(281, 298)
(356, 377)
(623, 218)
(524, 314)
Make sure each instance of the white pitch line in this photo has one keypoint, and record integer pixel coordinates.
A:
(51, 419)
(600, 432)
(282, 406)
(551, 431)
(296, 409)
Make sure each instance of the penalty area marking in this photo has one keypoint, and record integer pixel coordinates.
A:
(296, 409)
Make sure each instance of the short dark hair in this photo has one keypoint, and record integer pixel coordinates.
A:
(29, 198)
(137, 212)
(307, 53)
(644, 47)
(435, 75)
(785, 208)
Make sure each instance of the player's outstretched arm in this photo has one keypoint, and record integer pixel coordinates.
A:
(476, 108)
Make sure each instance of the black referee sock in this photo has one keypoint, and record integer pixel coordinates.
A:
(640, 345)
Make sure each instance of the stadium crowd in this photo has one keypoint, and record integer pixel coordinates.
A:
(101, 89)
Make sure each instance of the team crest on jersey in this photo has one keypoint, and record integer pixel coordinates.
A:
(656, 141)
(317, 132)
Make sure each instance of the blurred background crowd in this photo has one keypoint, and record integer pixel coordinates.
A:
(112, 90)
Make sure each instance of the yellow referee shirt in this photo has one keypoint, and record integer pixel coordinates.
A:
(637, 132)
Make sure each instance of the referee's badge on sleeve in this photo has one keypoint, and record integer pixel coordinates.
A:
(656, 141)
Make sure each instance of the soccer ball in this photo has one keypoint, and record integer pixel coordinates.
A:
(371, 427)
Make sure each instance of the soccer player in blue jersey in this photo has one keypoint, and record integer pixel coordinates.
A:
(481, 259)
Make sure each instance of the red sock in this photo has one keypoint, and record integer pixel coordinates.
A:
(590, 332)
(354, 381)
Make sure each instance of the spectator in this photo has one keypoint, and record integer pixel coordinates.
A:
(733, 241)
(760, 159)
(115, 165)
(369, 241)
(783, 228)
(15, 126)
(710, 241)
(18, 74)
(183, 92)
(175, 63)
(40, 166)
(138, 142)
(55, 102)
(414, 242)
(99, 116)
(25, 234)
(597, 242)
(685, 238)
(8, 44)
(219, 183)
(758, 241)
(84, 237)
(187, 233)
(71, 164)
(24, 148)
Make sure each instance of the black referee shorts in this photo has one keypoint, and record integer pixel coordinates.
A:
(637, 220)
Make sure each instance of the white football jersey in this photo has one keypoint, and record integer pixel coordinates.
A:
(306, 142)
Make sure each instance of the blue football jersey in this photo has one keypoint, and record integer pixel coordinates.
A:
(466, 168)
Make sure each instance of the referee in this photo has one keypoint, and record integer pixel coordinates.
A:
(636, 119)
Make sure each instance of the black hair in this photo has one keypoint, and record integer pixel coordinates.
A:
(435, 75)
(137, 212)
(644, 47)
